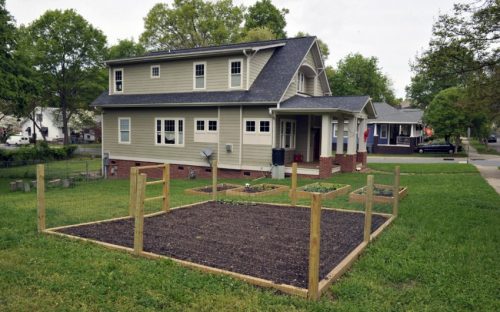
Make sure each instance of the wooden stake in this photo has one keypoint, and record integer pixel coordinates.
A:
(133, 190)
(368, 208)
(395, 192)
(139, 214)
(166, 187)
(40, 196)
(214, 179)
(314, 240)
(294, 184)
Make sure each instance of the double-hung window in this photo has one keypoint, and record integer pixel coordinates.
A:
(199, 75)
(118, 80)
(301, 83)
(169, 131)
(287, 134)
(124, 130)
(383, 131)
(235, 74)
(155, 71)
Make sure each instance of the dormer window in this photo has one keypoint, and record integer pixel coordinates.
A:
(155, 71)
(301, 83)
(235, 76)
(199, 75)
(118, 83)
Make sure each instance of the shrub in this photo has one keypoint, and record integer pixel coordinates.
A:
(41, 152)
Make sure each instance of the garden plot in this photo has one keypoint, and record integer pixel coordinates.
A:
(263, 189)
(327, 190)
(264, 242)
(222, 188)
(382, 194)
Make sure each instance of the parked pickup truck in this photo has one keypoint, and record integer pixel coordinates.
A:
(18, 140)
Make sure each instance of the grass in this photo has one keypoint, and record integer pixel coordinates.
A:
(428, 155)
(439, 255)
(426, 169)
(483, 149)
(53, 169)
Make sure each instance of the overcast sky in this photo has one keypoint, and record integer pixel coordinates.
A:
(392, 30)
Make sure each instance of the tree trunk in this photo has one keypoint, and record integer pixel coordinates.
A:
(457, 143)
(64, 110)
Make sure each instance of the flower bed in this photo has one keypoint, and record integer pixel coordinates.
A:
(381, 194)
(258, 190)
(222, 188)
(327, 190)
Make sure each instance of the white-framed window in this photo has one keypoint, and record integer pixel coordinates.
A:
(264, 126)
(155, 71)
(199, 125)
(206, 130)
(118, 79)
(199, 75)
(250, 126)
(124, 128)
(287, 133)
(383, 131)
(212, 125)
(235, 73)
(169, 131)
(257, 131)
(301, 81)
(335, 130)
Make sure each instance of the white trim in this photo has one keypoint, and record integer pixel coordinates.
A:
(398, 145)
(308, 150)
(240, 156)
(120, 130)
(205, 125)
(375, 132)
(292, 139)
(379, 122)
(151, 71)
(102, 144)
(176, 127)
(114, 79)
(218, 135)
(230, 61)
(386, 131)
(204, 63)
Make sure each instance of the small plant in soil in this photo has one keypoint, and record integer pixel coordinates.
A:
(386, 192)
(220, 187)
(258, 188)
(322, 187)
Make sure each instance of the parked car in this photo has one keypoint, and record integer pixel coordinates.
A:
(492, 139)
(18, 140)
(436, 147)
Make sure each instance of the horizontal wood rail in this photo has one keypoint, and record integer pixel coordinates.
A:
(154, 198)
(150, 167)
(155, 182)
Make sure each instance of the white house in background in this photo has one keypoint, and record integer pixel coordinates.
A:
(46, 119)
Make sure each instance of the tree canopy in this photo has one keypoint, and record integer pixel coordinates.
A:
(264, 14)
(359, 75)
(191, 23)
(325, 51)
(258, 34)
(8, 80)
(125, 48)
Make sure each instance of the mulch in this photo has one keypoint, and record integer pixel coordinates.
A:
(261, 240)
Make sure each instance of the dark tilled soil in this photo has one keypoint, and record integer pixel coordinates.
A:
(220, 187)
(265, 241)
(257, 189)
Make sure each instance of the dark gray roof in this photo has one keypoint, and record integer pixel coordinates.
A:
(352, 104)
(388, 113)
(268, 87)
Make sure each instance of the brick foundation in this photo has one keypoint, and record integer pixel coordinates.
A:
(361, 157)
(325, 167)
(348, 163)
(121, 169)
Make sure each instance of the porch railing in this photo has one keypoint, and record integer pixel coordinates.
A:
(403, 140)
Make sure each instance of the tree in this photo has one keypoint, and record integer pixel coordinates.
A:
(8, 80)
(258, 34)
(125, 48)
(358, 75)
(446, 116)
(68, 53)
(323, 47)
(264, 14)
(191, 23)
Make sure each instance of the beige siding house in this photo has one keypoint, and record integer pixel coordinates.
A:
(235, 102)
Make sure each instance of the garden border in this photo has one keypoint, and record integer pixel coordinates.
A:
(195, 190)
(280, 188)
(360, 198)
(329, 195)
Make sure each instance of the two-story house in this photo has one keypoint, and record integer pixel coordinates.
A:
(239, 101)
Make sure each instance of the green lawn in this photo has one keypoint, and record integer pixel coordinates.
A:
(441, 254)
(483, 149)
(53, 168)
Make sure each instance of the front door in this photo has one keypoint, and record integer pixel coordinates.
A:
(393, 134)
(316, 138)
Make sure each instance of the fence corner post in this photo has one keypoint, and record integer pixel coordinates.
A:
(368, 209)
(314, 247)
(40, 196)
(166, 187)
(395, 192)
(139, 214)
(294, 184)
(133, 191)
(214, 179)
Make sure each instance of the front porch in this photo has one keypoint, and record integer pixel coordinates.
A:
(309, 168)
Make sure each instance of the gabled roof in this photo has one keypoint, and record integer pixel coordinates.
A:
(351, 104)
(268, 87)
(390, 114)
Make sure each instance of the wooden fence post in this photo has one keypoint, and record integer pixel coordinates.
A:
(395, 206)
(368, 208)
(294, 184)
(40, 196)
(139, 214)
(166, 187)
(214, 179)
(133, 190)
(314, 240)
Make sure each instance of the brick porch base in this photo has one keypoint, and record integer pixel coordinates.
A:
(325, 167)
(361, 157)
(348, 163)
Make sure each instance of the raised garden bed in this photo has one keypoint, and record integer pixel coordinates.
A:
(222, 188)
(327, 190)
(258, 190)
(264, 244)
(382, 194)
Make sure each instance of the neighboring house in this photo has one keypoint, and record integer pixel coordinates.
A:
(240, 101)
(395, 130)
(46, 119)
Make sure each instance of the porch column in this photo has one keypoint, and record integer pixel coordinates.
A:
(349, 160)
(361, 155)
(339, 153)
(325, 159)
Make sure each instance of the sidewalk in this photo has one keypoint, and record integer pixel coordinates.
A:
(490, 173)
